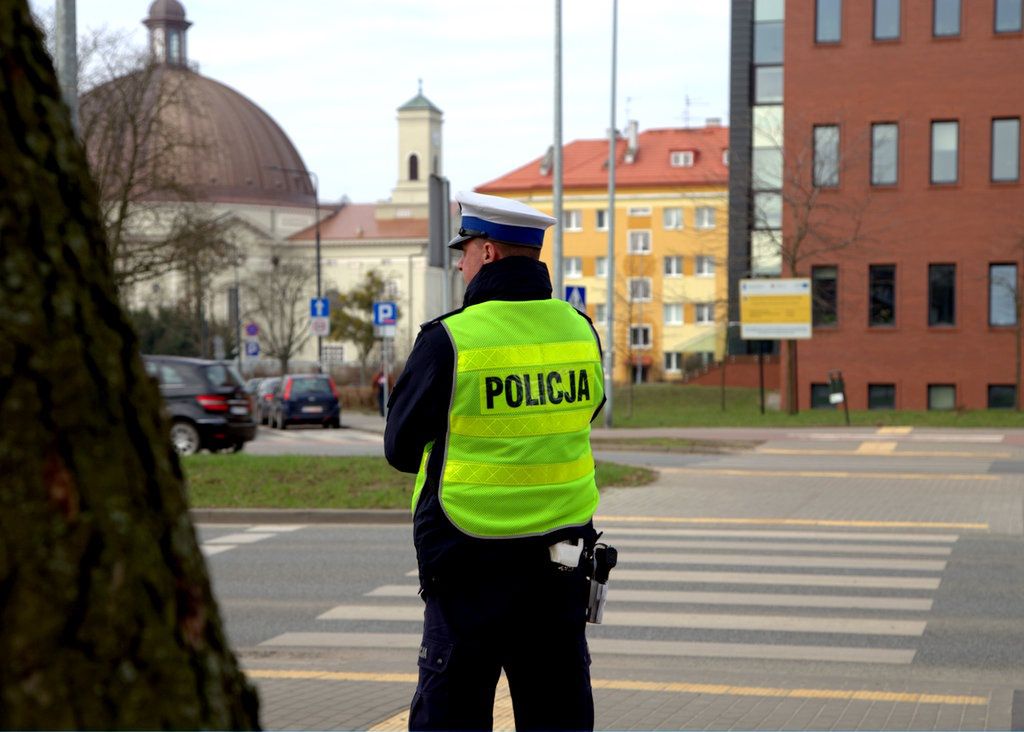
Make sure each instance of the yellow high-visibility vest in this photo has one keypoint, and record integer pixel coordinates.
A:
(517, 461)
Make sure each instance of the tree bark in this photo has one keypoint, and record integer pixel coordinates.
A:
(107, 619)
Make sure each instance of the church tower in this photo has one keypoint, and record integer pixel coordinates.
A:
(167, 30)
(419, 155)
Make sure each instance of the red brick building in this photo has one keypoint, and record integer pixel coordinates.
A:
(900, 186)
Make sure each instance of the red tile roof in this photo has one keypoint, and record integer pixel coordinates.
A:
(584, 163)
(359, 221)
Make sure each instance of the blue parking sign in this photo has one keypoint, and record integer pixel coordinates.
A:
(252, 349)
(385, 313)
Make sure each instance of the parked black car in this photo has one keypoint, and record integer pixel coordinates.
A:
(206, 403)
(265, 399)
(305, 398)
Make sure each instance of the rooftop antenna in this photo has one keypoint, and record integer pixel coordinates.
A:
(688, 102)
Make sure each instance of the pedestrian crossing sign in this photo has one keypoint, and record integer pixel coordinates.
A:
(577, 297)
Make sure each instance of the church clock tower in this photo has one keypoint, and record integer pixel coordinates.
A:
(419, 155)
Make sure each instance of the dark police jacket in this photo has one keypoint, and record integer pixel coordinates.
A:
(418, 414)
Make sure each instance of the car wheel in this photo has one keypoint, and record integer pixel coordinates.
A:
(282, 423)
(185, 438)
(336, 423)
(237, 447)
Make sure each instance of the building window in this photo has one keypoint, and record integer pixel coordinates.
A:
(826, 156)
(725, 158)
(602, 219)
(766, 168)
(941, 294)
(887, 20)
(767, 210)
(673, 361)
(673, 266)
(572, 220)
(828, 27)
(673, 313)
(882, 294)
(681, 158)
(1002, 396)
(640, 289)
(1002, 294)
(824, 296)
(1008, 16)
(414, 167)
(704, 313)
(945, 151)
(881, 396)
(672, 218)
(572, 267)
(767, 84)
(600, 312)
(768, 43)
(946, 18)
(941, 396)
(1006, 149)
(601, 267)
(705, 266)
(174, 47)
(885, 143)
(640, 336)
(820, 396)
(639, 242)
(705, 217)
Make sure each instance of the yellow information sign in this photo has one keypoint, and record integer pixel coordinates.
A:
(773, 309)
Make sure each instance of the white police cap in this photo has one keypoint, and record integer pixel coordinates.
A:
(499, 219)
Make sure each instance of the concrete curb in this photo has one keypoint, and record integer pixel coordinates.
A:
(300, 516)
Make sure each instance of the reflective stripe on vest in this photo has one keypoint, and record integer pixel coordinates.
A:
(517, 460)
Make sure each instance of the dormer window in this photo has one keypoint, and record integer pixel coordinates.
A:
(725, 158)
(681, 158)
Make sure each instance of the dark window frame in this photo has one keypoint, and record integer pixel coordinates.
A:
(899, 22)
(820, 307)
(892, 390)
(931, 144)
(992, 150)
(1016, 282)
(872, 322)
(959, 20)
(896, 163)
(817, 390)
(1012, 388)
(817, 23)
(414, 166)
(933, 318)
(995, 17)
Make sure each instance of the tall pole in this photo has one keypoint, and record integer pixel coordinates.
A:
(556, 256)
(67, 56)
(609, 346)
(316, 210)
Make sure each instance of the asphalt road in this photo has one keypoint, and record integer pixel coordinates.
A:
(828, 560)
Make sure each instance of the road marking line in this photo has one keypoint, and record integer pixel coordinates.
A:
(799, 522)
(780, 578)
(862, 475)
(895, 430)
(242, 538)
(276, 528)
(876, 448)
(918, 437)
(770, 534)
(747, 599)
(772, 560)
(900, 454)
(673, 687)
(610, 646)
(209, 551)
(785, 546)
(700, 621)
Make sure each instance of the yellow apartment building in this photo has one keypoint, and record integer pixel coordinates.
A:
(671, 241)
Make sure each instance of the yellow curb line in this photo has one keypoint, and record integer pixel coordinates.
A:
(829, 474)
(656, 686)
(901, 453)
(798, 522)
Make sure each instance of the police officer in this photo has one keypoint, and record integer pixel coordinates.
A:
(493, 413)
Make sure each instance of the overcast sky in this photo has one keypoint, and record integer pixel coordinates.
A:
(333, 72)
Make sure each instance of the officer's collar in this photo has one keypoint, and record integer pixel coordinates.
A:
(511, 278)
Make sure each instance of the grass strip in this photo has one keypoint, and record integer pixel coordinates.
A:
(300, 481)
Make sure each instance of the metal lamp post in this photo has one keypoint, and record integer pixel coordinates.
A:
(316, 208)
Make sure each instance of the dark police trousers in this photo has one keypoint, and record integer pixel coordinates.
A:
(531, 622)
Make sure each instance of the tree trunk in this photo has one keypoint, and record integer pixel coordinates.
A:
(107, 620)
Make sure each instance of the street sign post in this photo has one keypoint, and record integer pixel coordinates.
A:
(252, 330)
(320, 327)
(385, 319)
(773, 309)
(319, 307)
(385, 313)
(252, 349)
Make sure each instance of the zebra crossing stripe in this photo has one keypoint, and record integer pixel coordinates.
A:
(779, 578)
(765, 560)
(782, 546)
(770, 534)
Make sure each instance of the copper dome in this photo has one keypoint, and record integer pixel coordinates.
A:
(166, 10)
(225, 148)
